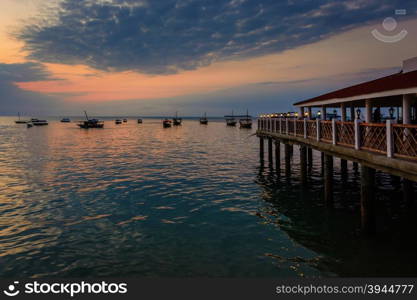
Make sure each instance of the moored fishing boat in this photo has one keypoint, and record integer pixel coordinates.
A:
(204, 120)
(230, 120)
(65, 120)
(176, 121)
(246, 121)
(19, 121)
(140, 121)
(90, 123)
(37, 122)
(166, 123)
(118, 121)
(124, 120)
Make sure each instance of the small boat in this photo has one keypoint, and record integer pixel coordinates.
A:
(90, 123)
(246, 122)
(166, 123)
(65, 120)
(118, 121)
(140, 121)
(19, 121)
(124, 120)
(29, 125)
(204, 120)
(37, 122)
(176, 121)
(230, 120)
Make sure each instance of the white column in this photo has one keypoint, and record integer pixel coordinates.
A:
(334, 131)
(343, 109)
(368, 111)
(407, 108)
(357, 134)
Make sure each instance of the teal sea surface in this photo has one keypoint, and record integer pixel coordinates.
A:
(138, 200)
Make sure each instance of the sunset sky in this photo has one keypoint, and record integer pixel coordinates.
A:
(155, 57)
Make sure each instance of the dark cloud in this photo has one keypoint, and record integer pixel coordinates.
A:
(23, 72)
(165, 36)
(14, 99)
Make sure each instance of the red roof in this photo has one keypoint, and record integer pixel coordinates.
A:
(393, 82)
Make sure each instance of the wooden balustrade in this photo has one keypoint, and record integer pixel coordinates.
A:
(299, 130)
(393, 140)
(345, 134)
(373, 137)
(311, 129)
(405, 141)
(326, 134)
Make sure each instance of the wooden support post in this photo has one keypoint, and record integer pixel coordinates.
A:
(408, 192)
(287, 160)
(278, 155)
(322, 162)
(343, 170)
(343, 166)
(310, 156)
(261, 149)
(303, 164)
(328, 180)
(368, 223)
(270, 150)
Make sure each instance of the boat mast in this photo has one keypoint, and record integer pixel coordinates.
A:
(85, 112)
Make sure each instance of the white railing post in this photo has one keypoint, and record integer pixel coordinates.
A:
(295, 126)
(286, 125)
(390, 138)
(305, 128)
(318, 130)
(357, 134)
(334, 131)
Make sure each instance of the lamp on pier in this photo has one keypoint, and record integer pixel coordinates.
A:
(319, 114)
(306, 114)
(391, 112)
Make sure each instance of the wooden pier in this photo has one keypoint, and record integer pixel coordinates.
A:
(388, 145)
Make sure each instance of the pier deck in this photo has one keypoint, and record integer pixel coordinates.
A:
(391, 148)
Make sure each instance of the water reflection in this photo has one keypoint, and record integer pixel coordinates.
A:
(334, 233)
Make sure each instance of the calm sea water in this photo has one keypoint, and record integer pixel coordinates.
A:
(191, 201)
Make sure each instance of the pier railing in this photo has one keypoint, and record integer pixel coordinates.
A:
(392, 140)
